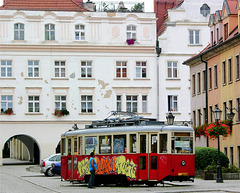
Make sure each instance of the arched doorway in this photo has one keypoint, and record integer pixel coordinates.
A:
(21, 149)
(58, 148)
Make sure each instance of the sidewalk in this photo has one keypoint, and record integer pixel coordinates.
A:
(10, 161)
(32, 174)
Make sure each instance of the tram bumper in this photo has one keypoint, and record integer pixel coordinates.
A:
(179, 178)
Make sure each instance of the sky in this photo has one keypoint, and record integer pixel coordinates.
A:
(148, 3)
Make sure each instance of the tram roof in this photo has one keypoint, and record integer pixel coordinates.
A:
(125, 129)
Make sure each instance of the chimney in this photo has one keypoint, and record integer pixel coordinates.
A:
(90, 6)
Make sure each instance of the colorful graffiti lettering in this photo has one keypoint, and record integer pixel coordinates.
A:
(83, 167)
(108, 165)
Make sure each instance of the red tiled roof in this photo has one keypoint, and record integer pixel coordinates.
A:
(232, 4)
(198, 54)
(43, 5)
(164, 6)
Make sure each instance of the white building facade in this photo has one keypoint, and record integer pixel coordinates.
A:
(186, 34)
(78, 61)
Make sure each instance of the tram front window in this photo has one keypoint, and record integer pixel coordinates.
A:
(182, 142)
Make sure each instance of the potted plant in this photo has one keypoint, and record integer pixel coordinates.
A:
(61, 112)
(8, 111)
(130, 41)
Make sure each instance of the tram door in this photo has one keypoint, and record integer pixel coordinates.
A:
(72, 158)
(148, 156)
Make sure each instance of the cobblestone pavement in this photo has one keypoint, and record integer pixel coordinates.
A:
(25, 178)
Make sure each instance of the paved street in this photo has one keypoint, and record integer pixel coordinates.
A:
(28, 179)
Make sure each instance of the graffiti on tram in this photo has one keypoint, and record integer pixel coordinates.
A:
(106, 165)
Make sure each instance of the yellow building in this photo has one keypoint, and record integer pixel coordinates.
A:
(222, 78)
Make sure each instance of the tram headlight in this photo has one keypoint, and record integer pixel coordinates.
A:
(183, 163)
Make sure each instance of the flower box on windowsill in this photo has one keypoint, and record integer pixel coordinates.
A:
(8, 111)
(60, 113)
(131, 41)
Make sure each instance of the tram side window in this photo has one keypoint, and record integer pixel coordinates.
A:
(75, 146)
(163, 143)
(69, 146)
(105, 144)
(80, 146)
(91, 144)
(63, 146)
(154, 143)
(119, 144)
(143, 141)
(182, 142)
(133, 143)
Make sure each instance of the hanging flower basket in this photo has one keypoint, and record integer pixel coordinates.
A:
(60, 113)
(130, 41)
(202, 129)
(8, 111)
(214, 130)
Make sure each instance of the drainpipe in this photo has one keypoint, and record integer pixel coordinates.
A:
(206, 98)
(158, 51)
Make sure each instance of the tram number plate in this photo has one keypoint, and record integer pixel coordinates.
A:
(183, 174)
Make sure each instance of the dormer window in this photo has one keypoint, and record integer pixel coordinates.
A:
(205, 10)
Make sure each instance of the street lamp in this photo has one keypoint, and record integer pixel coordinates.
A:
(170, 119)
(217, 115)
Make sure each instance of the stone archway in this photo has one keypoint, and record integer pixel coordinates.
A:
(22, 148)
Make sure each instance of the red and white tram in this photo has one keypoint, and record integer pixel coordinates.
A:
(128, 151)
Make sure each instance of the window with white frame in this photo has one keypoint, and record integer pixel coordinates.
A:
(141, 69)
(18, 31)
(194, 37)
(86, 103)
(121, 69)
(172, 69)
(193, 84)
(238, 109)
(60, 102)
(131, 103)
(224, 73)
(6, 102)
(230, 76)
(144, 104)
(79, 32)
(131, 32)
(6, 68)
(33, 68)
(198, 82)
(119, 103)
(215, 76)
(49, 32)
(60, 69)
(33, 104)
(86, 69)
(204, 80)
(210, 78)
(237, 62)
(210, 114)
(173, 103)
